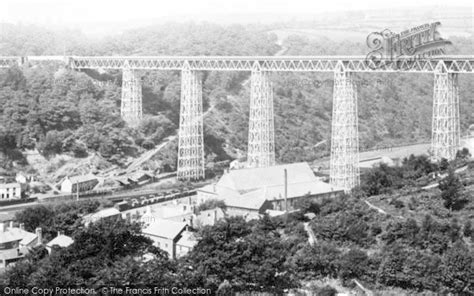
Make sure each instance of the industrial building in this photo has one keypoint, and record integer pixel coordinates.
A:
(251, 192)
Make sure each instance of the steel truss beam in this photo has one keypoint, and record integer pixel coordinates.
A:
(344, 163)
(131, 105)
(446, 134)
(261, 145)
(454, 64)
(191, 146)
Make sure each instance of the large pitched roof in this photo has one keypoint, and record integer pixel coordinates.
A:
(82, 179)
(253, 200)
(164, 228)
(249, 188)
(245, 180)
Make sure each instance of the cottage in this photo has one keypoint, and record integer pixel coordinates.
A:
(165, 234)
(61, 241)
(84, 183)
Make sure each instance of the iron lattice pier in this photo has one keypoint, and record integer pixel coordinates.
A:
(446, 133)
(344, 163)
(190, 145)
(261, 143)
(131, 104)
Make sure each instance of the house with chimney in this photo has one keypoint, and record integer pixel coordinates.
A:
(60, 241)
(16, 242)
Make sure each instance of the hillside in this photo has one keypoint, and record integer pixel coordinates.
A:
(62, 111)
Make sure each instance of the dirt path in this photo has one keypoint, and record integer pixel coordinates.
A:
(311, 236)
(149, 154)
(381, 211)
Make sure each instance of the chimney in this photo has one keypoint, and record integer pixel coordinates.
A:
(11, 224)
(22, 226)
(2, 227)
(39, 234)
(59, 233)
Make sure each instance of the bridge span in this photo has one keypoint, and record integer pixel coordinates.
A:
(344, 169)
(454, 63)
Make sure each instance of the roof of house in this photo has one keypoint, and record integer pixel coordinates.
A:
(61, 240)
(109, 212)
(82, 179)
(123, 180)
(164, 228)
(135, 176)
(253, 200)
(11, 234)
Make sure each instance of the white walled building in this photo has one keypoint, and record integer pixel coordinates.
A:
(10, 191)
(15, 243)
(84, 183)
(165, 234)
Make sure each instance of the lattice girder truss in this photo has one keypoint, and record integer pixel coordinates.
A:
(446, 134)
(455, 64)
(191, 143)
(344, 163)
(261, 143)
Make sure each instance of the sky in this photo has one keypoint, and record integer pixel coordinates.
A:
(83, 13)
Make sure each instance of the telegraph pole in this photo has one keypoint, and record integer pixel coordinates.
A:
(286, 196)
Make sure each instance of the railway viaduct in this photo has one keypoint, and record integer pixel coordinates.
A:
(344, 171)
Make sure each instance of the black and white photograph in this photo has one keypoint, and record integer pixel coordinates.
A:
(237, 147)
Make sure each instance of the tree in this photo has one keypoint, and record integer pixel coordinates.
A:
(458, 270)
(468, 231)
(211, 204)
(443, 164)
(250, 257)
(463, 154)
(451, 188)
